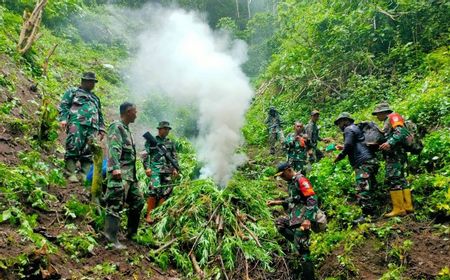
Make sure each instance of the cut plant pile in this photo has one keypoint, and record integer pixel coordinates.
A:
(210, 232)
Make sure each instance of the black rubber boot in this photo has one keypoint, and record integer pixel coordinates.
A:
(112, 224)
(133, 223)
(308, 270)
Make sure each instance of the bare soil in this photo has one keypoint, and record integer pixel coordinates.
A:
(429, 254)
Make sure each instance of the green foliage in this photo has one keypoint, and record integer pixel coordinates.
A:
(187, 217)
(75, 208)
(394, 273)
(399, 252)
(29, 180)
(77, 245)
(105, 268)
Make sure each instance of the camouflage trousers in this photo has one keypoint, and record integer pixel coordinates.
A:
(119, 192)
(298, 237)
(77, 142)
(395, 175)
(315, 155)
(160, 185)
(366, 185)
(274, 136)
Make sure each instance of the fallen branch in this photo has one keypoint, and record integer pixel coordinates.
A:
(47, 59)
(196, 266)
(223, 267)
(203, 231)
(246, 267)
(386, 13)
(252, 234)
(154, 268)
(30, 28)
(286, 266)
(219, 223)
(162, 248)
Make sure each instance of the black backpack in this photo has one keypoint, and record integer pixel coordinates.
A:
(373, 136)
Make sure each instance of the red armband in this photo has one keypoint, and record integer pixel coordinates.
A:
(305, 186)
(396, 119)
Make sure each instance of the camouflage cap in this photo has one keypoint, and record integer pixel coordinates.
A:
(89, 76)
(342, 116)
(382, 108)
(272, 108)
(281, 168)
(315, 112)
(164, 124)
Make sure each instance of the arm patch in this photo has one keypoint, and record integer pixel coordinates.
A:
(305, 186)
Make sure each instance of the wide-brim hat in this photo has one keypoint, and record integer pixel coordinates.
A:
(164, 124)
(89, 76)
(382, 108)
(281, 168)
(315, 112)
(342, 116)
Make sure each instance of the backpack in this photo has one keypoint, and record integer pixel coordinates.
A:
(373, 136)
(413, 143)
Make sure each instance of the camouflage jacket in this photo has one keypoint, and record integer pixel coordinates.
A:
(121, 151)
(80, 106)
(295, 150)
(299, 205)
(396, 137)
(273, 123)
(155, 160)
(312, 131)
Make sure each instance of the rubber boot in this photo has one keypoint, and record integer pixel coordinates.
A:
(151, 204)
(112, 224)
(397, 204)
(161, 201)
(133, 223)
(408, 201)
(71, 167)
(308, 270)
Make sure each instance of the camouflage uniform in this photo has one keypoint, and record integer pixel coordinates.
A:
(300, 208)
(361, 159)
(161, 168)
(273, 123)
(122, 156)
(396, 157)
(82, 112)
(312, 132)
(297, 152)
(366, 183)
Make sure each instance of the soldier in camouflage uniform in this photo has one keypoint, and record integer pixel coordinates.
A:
(122, 184)
(159, 169)
(296, 146)
(80, 114)
(362, 160)
(312, 132)
(304, 215)
(395, 156)
(273, 123)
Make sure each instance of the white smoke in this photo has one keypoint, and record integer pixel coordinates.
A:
(179, 56)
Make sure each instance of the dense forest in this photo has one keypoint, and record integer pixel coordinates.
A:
(213, 69)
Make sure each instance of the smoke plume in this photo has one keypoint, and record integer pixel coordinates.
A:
(180, 57)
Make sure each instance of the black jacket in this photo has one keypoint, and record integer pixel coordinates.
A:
(354, 146)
